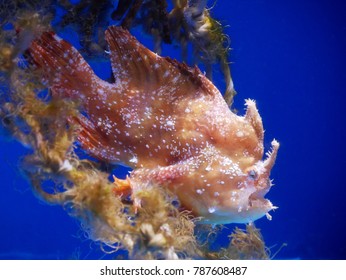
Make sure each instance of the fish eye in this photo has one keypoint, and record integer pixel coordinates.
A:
(252, 174)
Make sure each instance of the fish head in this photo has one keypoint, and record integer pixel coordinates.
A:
(241, 199)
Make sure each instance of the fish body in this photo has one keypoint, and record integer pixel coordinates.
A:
(169, 123)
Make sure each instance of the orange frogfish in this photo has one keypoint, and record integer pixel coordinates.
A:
(169, 123)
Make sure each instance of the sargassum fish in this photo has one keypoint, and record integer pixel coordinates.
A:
(169, 123)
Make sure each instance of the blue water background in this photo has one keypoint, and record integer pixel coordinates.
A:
(290, 57)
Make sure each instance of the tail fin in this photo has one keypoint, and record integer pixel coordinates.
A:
(65, 70)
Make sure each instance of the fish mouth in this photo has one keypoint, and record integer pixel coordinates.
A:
(261, 205)
(257, 200)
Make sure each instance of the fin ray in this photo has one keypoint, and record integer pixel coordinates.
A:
(90, 138)
(64, 68)
(142, 68)
(130, 60)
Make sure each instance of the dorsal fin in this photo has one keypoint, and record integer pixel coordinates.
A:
(141, 68)
(194, 75)
(132, 62)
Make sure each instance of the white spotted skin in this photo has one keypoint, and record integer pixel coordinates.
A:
(171, 125)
